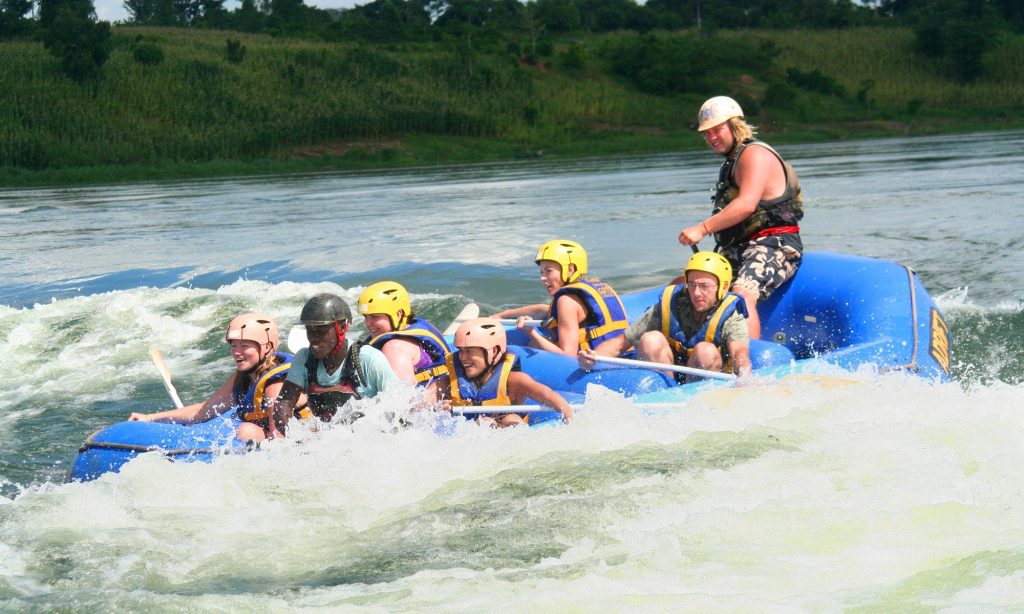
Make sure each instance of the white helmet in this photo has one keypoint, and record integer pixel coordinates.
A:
(716, 111)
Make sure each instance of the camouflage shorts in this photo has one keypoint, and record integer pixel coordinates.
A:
(765, 263)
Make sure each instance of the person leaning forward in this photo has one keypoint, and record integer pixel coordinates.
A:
(331, 371)
(698, 324)
(757, 206)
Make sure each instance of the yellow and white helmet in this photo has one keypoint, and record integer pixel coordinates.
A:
(714, 263)
(717, 110)
(387, 297)
(565, 253)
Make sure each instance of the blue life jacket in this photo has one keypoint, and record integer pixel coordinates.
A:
(430, 339)
(494, 391)
(710, 331)
(249, 402)
(606, 316)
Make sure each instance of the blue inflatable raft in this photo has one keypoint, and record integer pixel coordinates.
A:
(840, 310)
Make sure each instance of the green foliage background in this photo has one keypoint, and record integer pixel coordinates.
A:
(189, 102)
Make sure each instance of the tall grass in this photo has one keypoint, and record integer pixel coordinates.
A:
(286, 96)
(885, 57)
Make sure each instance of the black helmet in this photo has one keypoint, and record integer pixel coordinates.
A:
(325, 309)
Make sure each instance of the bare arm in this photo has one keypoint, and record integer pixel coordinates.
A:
(752, 173)
(402, 355)
(537, 312)
(611, 347)
(521, 385)
(284, 405)
(740, 353)
(571, 314)
(217, 404)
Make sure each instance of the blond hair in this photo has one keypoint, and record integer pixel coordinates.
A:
(741, 130)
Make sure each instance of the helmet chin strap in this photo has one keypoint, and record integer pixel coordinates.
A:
(491, 366)
(341, 337)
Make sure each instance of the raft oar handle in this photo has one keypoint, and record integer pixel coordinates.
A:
(644, 364)
(512, 321)
(165, 375)
(543, 409)
(507, 409)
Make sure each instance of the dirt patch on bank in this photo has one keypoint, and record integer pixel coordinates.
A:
(651, 130)
(339, 149)
(870, 125)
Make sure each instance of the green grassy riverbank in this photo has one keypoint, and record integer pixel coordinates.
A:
(292, 105)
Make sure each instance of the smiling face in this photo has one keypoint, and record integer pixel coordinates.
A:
(474, 361)
(703, 290)
(323, 338)
(551, 276)
(246, 354)
(720, 138)
(378, 323)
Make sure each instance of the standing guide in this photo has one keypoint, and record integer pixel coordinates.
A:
(757, 206)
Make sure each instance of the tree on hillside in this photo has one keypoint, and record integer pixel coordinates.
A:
(386, 20)
(612, 15)
(12, 18)
(959, 32)
(558, 15)
(151, 12)
(70, 32)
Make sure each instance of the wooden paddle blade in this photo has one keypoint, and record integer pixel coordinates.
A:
(468, 312)
(161, 364)
(165, 375)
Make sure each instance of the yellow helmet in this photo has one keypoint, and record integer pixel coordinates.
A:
(714, 263)
(565, 253)
(716, 110)
(387, 297)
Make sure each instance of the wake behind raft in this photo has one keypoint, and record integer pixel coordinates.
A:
(837, 311)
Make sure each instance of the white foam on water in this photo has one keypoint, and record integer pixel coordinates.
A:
(886, 492)
(72, 353)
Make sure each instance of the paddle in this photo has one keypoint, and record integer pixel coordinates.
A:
(644, 364)
(468, 312)
(513, 321)
(165, 374)
(541, 409)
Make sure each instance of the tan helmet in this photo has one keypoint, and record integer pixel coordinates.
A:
(565, 253)
(714, 263)
(481, 333)
(254, 327)
(388, 297)
(717, 110)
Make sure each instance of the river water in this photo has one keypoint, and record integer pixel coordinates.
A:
(894, 494)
